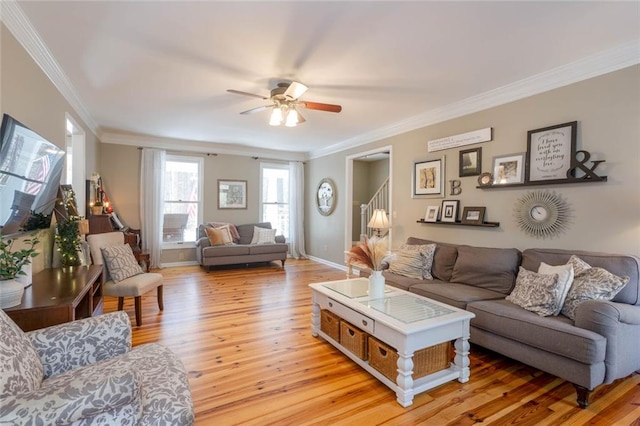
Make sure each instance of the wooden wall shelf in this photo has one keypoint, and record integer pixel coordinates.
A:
(542, 182)
(484, 224)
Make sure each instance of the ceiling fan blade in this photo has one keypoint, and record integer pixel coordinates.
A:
(238, 92)
(320, 106)
(295, 90)
(257, 109)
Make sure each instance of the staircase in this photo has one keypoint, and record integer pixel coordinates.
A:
(380, 200)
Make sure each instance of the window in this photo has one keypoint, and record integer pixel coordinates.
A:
(275, 196)
(182, 199)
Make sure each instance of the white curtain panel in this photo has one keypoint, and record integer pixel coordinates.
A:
(296, 210)
(152, 203)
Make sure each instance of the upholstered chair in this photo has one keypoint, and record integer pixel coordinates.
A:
(85, 372)
(122, 276)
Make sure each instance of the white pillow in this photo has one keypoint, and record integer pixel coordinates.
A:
(565, 279)
(264, 236)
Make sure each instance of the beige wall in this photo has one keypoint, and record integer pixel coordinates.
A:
(605, 216)
(29, 96)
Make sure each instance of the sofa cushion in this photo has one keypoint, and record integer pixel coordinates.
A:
(218, 236)
(268, 248)
(408, 263)
(458, 295)
(444, 257)
(20, 366)
(590, 284)
(618, 264)
(565, 279)
(555, 334)
(491, 268)
(246, 231)
(226, 250)
(539, 293)
(120, 261)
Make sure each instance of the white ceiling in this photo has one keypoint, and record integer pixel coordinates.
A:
(161, 69)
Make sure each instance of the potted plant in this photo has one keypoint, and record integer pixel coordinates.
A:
(68, 240)
(11, 266)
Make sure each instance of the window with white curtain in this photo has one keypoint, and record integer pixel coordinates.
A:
(274, 196)
(182, 199)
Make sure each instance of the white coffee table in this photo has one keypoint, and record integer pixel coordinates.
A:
(403, 320)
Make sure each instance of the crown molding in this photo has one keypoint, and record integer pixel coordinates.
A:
(623, 56)
(18, 24)
(178, 145)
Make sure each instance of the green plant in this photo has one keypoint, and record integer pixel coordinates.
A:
(37, 221)
(68, 240)
(11, 262)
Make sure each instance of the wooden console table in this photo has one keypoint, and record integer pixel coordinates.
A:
(59, 295)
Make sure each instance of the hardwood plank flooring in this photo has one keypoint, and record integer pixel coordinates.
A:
(244, 335)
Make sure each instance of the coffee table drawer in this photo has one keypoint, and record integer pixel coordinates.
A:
(363, 322)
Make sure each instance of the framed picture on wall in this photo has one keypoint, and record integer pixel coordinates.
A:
(508, 169)
(232, 194)
(473, 215)
(449, 210)
(432, 214)
(470, 162)
(550, 152)
(428, 178)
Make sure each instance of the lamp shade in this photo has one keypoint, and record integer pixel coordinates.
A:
(276, 117)
(379, 220)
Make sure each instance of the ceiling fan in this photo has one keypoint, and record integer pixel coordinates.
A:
(285, 101)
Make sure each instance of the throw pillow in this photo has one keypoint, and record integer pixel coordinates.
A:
(408, 263)
(232, 229)
(218, 236)
(579, 265)
(428, 251)
(537, 293)
(590, 284)
(120, 261)
(266, 236)
(565, 279)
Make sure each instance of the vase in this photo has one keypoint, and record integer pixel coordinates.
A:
(26, 279)
(10, 293)
(376, 285)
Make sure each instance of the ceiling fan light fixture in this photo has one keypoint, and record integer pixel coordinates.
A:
(292, 118)
(276, 117)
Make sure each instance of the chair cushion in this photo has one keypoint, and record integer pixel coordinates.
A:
(120, 261)
(134, 286)
(20, 366)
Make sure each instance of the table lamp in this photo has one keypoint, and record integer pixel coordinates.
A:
(379, 221)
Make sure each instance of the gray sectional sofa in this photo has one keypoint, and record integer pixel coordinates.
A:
(241, 252)
(600, 346)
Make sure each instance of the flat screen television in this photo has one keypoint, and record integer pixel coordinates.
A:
(30, 172)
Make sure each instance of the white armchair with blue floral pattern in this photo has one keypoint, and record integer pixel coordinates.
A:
(85, 372)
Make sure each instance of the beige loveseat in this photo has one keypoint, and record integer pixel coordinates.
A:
(599, 346)
(241, 251)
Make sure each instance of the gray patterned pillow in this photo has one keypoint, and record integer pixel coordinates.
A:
(20, 366)
(121, 262)
(428, 251)
(565, 279)
(537, 293)
(590, 284)
(408, 263)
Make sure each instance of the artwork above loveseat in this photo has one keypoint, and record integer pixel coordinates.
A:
(228, 244)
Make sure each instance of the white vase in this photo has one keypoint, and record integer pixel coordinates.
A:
(10, 293)
(376, 285)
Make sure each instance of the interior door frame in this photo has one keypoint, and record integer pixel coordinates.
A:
(348, 222)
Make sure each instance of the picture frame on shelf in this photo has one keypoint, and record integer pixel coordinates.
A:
(473, 215)
(450, 210)
(508, 169)
(550, 152)
(232, 194)
(470, 162)
(432, 214)
(428, 178)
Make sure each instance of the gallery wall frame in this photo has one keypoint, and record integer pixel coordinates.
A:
(470, 162)
(550, 152)
(232, 194)
(508, 169)
(450, 210)
(428, 178)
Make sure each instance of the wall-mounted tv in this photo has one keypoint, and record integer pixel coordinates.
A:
(30, 172)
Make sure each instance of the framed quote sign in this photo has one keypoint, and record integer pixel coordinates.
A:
(550, 152)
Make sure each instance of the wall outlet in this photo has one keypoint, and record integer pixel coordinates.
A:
(180, 256)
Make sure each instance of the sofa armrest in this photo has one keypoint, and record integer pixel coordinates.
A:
(77, 399)
(619, 323)
(203, 242)
(78, 343)
(280, 239)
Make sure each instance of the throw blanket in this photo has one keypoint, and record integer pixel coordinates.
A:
(234, 231)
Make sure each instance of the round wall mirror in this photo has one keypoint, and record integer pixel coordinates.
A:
(326, 197)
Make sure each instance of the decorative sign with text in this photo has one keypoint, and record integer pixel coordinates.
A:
(469, 138)
(550, 152)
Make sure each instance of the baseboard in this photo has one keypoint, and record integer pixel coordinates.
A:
(171, 264)
(327, 262)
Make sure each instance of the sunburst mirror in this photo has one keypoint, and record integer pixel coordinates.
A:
(542, 214)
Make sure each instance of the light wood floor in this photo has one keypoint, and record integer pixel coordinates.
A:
(244, 336)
